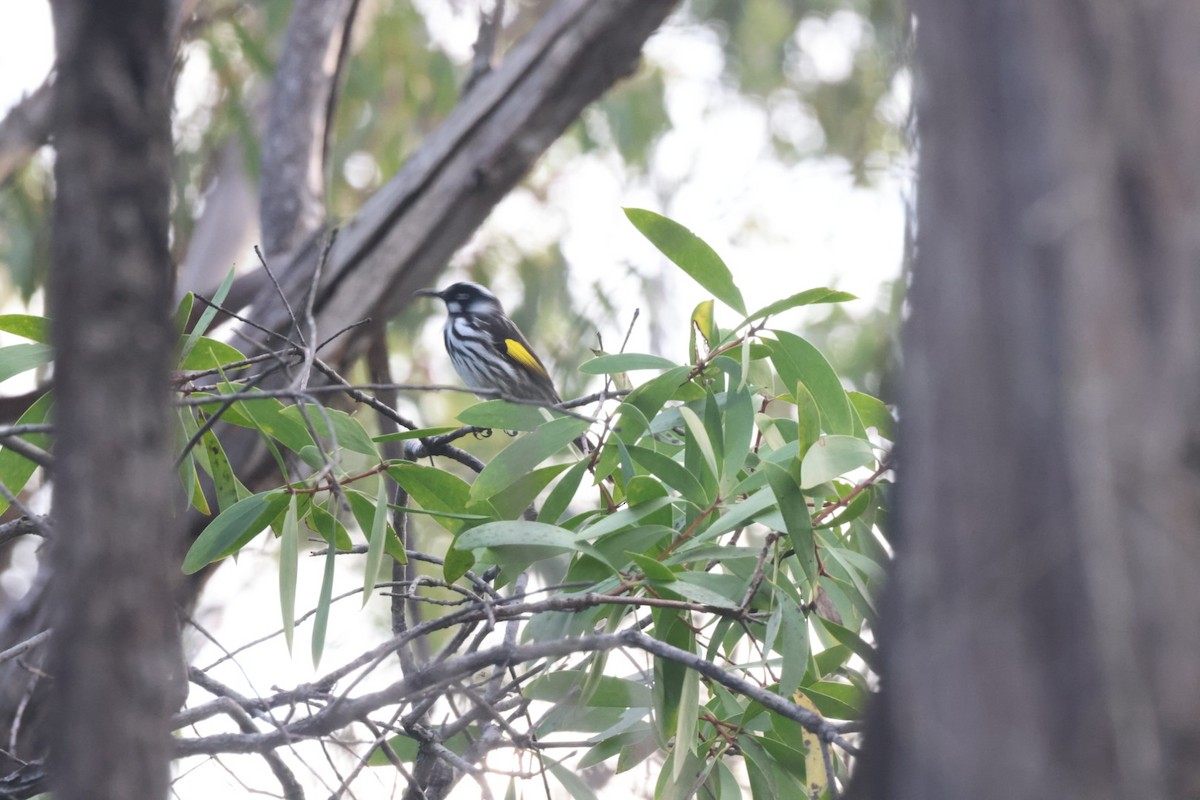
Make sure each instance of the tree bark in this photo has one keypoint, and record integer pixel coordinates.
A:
(407, 231)
(1041, 639)
(115, 656)
(292, 202)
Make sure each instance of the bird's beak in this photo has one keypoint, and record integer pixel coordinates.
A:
(428, 293)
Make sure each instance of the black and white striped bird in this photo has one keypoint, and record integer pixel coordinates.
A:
(488, 350)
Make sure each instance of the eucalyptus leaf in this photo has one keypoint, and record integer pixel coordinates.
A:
(524, 454)
(624, 362)
(833, 456)
(690, 253)
(233, 528)
(18, 358)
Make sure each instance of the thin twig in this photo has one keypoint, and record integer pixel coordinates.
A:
(23, 526)
(25, 646)
(37, 455)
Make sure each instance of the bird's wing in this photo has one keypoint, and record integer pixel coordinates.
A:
(511, 344)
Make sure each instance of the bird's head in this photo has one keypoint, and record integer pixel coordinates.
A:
(466, 299)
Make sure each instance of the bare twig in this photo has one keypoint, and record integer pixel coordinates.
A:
(23, 526)
(25, 646)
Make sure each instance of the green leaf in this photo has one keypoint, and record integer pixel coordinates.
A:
(503, 415)
(328, 527)
(808, 418)
(796, 520)
(829, 661)
(229, 489)
(524, 454)
(533, 540)
(233, 528)
(850, 639)
(15, 469)
(763, 771)
(183, 311)
(349, 431)
(836, 700)
(672, 473)
(692, 586)
(26, 326)
(833, 456)
(407, 748)
(608, 523)
(188, 478)
(689, 715)
(420, 433)
(739, 433)
(794, 647)
(435, 489)
(690, 253)
(644, 403)
(742, 513)
(289, 562)
(874, 414)
(206, 317)
(704, 323)
(376, 540)
(645, 539)
(799, 362)
(574, 785)
(681, 772)
(670, 626)
(607, 692)
(624, 362)
(640, 738)
(805, 298)
(456, 563)
(324, 602)
(521, 493)
(699, 436)
(18, 358)
(561, 495)
(643, 489)
(210, 354)
(652, 568)
(266, 415)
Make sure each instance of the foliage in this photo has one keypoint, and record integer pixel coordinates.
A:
(726, 525)
(724, 533)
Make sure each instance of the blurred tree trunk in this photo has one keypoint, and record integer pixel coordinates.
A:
(115, 656)
(1041, 636)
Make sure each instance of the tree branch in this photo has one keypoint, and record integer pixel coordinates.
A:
(408, 230)
(292, 200)
(24, 129)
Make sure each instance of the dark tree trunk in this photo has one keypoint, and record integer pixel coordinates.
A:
(1041, 636)
(114, 659)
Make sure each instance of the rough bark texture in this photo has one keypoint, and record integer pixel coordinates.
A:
(1041, 637)
(115, 657)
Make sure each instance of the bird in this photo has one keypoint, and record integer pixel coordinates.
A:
(488, 350)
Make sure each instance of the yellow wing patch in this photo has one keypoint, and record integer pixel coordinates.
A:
(519, 353)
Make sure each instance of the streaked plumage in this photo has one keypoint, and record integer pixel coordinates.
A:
(487, 349)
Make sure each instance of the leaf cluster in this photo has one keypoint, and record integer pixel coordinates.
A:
(730, 510)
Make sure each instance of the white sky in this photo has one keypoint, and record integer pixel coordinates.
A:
(26, 48)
